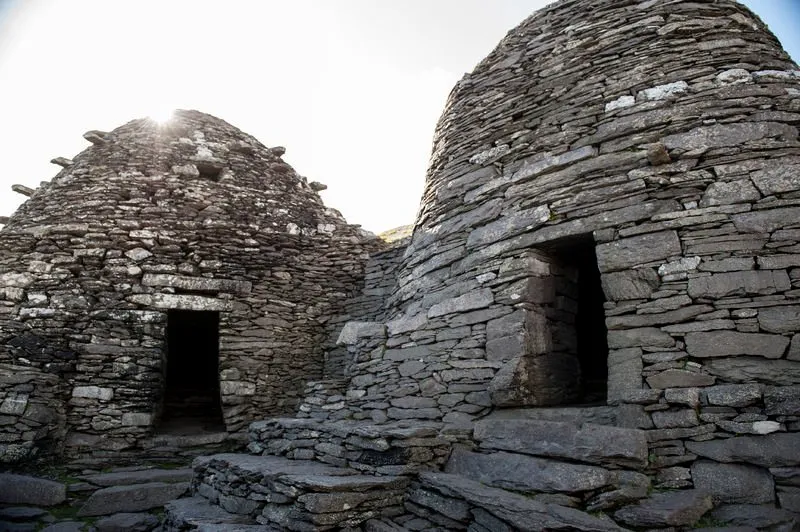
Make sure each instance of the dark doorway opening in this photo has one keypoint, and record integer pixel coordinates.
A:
(191, 395)
(580, 300)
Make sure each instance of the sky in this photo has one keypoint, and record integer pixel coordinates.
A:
(352, 88)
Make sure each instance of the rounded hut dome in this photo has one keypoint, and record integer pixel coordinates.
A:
(170, 270)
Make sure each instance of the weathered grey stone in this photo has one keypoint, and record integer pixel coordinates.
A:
(476, 299)
(596, 444)
(679, 378)
(679, 508)
(771, 450)
(195, 512)
(637, 250)
(754, 517)
(65, 526)
(794, 348)
(624, 373)
(735, 395)
(779, 319)
(144, 476)
(22, 489)
(637, 283)
(720, 135)
(731, 343)
(131, 498)
(644, 337)
(508, 226)
(523, 332)
(734, 483)
(535, 380)
(777, 177)
(729, 192)
(789, 498)
(93, 392)
(523, 473)
(521, 513)
(679, 418)
(779, 262)
(787, 476)
(126, 522)
(353, 331)
(732, 264)
(765, 221)
(649, 320)
(182, 302)
(758, 369)
(782, 400)
(756, 282)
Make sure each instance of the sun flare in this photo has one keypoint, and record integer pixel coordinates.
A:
(161, 114)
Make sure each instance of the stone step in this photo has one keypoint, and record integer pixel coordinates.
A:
(577, 415)
(594, 444)
(142, 476)
(23, 489)
(131, 498)
(458, 503)
(528, 474)
(296, 494)
(197, 513)
(389, 449)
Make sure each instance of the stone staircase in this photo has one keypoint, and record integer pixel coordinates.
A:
(552, 470)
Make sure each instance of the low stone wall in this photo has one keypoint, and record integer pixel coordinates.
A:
(386, 449)
(296, 495)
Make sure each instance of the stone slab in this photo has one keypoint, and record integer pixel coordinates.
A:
(144, 476)
(677, 508)
(637, 250)
(132, 498)
(520, 512)
(522, 473)
(734, 343)
(734, 483)
(754, 369)
(770, 450)
(191, 512)
(22, 489)
(127, 522)
(596, 444)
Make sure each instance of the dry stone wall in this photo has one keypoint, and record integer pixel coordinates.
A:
(193, 215)
(662, 134)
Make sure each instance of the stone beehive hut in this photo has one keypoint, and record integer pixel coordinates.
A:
(611, 210)
(605, 269)
(168, 271)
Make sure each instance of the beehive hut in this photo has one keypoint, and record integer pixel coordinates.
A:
(611, 210)
(604, 271)
(171, 271)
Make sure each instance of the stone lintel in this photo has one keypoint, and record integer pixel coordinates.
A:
(198, 284)
(182, 302)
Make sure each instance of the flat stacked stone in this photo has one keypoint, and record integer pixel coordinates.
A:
(389, 449)
(296, 494)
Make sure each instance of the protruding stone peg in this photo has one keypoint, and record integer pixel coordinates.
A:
(96, 136)
(277, 151)
(22, 189)
(4, 220)
(62, 161)
(316, 186)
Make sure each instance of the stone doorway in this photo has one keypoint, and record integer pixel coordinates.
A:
(554, 345)
(578, 317)
(192, 396)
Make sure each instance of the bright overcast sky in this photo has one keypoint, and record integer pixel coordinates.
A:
(352, 88)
